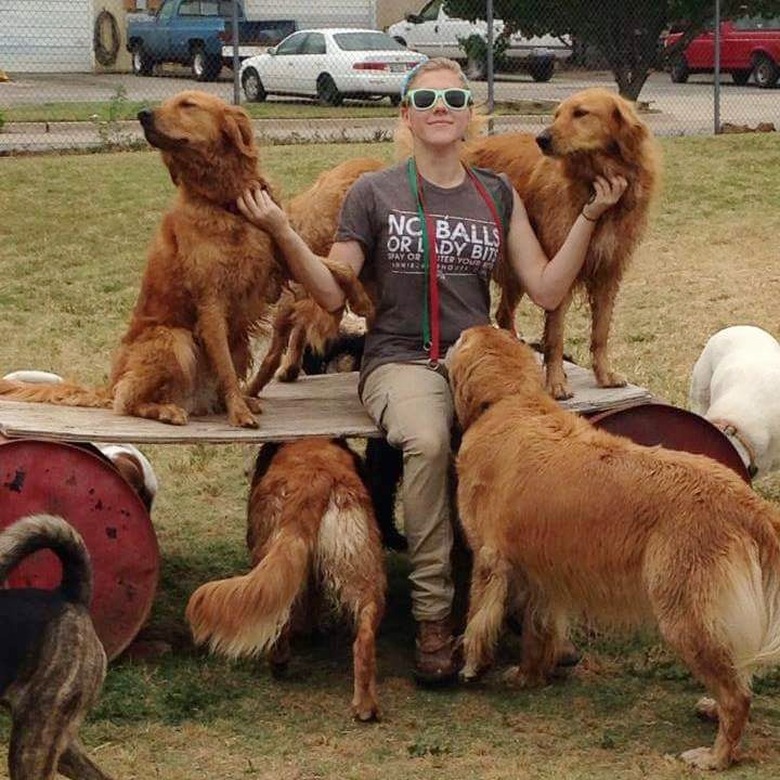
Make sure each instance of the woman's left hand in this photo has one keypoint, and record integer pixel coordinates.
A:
(607, 191)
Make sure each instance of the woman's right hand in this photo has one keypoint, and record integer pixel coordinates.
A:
(606, 193)
(259, 208)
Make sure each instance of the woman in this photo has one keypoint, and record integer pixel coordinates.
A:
(429, 232)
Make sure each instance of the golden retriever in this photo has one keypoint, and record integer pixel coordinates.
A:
(300, 323)
(310, 525)
(594, 132)
(585, 524)
(209, 280)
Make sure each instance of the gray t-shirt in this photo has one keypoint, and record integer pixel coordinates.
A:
(380, 213)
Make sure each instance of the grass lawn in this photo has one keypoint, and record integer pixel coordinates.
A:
(72, 241)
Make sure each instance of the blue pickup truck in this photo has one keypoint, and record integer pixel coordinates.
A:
(199, 33)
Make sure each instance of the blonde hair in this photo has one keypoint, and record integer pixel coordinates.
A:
(402, 136)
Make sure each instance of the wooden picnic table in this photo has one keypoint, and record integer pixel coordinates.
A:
(325, 405)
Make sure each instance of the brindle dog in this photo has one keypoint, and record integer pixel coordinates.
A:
(52, 664)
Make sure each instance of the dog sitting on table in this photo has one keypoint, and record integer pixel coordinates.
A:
(52, 663)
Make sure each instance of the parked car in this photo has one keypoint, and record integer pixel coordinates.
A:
(330, 64)
(198, 33)
(749, 46)
(433, 32)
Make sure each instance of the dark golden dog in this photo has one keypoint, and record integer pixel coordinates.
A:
(300, 324)
(310, 525)
(594, 132)
(209, 280)
(585, 524)
(52, 663)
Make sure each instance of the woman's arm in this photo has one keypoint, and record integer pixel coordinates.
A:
(548, 280)
(306, 267)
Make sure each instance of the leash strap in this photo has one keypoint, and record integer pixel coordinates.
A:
(430, 324)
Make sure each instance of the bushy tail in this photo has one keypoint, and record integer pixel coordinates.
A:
(62, 394)
(39, 532)
(243, 616)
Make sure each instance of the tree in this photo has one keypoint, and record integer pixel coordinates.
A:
(626, 32)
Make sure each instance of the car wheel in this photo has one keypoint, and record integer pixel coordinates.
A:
(395, 100)
(253, 87)
(679, 71)
(765, 71)
(142, 63)
(542, 70)
(327, 93)
(741, 77)
(205, 67)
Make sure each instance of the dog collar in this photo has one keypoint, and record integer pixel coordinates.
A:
(743, 446)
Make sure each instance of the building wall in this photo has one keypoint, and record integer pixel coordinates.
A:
(46, 36)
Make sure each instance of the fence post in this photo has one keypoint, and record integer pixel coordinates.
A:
(716, 95)
(489, 64)
(236, 60)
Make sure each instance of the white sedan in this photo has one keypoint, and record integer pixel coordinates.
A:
(330, 64)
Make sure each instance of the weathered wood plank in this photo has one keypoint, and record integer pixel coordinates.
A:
(313, 406)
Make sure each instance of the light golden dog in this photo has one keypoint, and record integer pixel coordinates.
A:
(300, 323)
(310, 526)
(594, 132)
(209, 280)
(584, 524)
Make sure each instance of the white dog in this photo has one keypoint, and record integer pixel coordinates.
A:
(128, 460)
(735, 384)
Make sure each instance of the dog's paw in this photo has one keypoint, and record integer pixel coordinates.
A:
(254, 405)
(559, 390)
(703, 758)
(242, 419)
(366, 712)
(172, 414)
(609, 379)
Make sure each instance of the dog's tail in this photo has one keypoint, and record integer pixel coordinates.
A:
(750, 604)
(39, 532)
(60, 393)
(244, 616)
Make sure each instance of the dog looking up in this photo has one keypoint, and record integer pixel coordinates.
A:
(594, 132)
(128, 460)
(580, 523)
(735, 384)
(209, 281)
(52, 664)
(310, 527)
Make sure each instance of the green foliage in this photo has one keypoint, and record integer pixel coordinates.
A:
(626, 33)
(2, 121)
(476, 49)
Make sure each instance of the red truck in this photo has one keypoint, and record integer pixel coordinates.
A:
(749, 46)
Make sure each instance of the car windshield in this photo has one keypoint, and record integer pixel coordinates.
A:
(366, 41)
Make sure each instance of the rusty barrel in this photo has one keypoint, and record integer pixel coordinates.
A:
(76, 482)
(657, 423)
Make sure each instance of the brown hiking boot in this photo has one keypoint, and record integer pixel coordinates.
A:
(435, 653)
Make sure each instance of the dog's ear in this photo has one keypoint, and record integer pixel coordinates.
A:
(631, 131)
(237, 126)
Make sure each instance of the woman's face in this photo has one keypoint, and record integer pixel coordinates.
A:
(438, 126)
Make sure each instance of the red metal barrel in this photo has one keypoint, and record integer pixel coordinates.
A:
(671, 427)
(82, 486)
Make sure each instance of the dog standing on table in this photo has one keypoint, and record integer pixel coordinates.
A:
(594, 133)
(735, 384)
(577, 523)
(209, 281)
(310, 527)
(52, 664)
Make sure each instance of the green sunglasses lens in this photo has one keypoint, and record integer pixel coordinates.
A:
(455, 99)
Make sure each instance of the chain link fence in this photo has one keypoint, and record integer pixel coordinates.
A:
(74, 74)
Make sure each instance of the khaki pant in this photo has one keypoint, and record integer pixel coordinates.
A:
(412, 405)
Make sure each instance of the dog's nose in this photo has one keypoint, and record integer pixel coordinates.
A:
(145, 116)
(544, 141)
